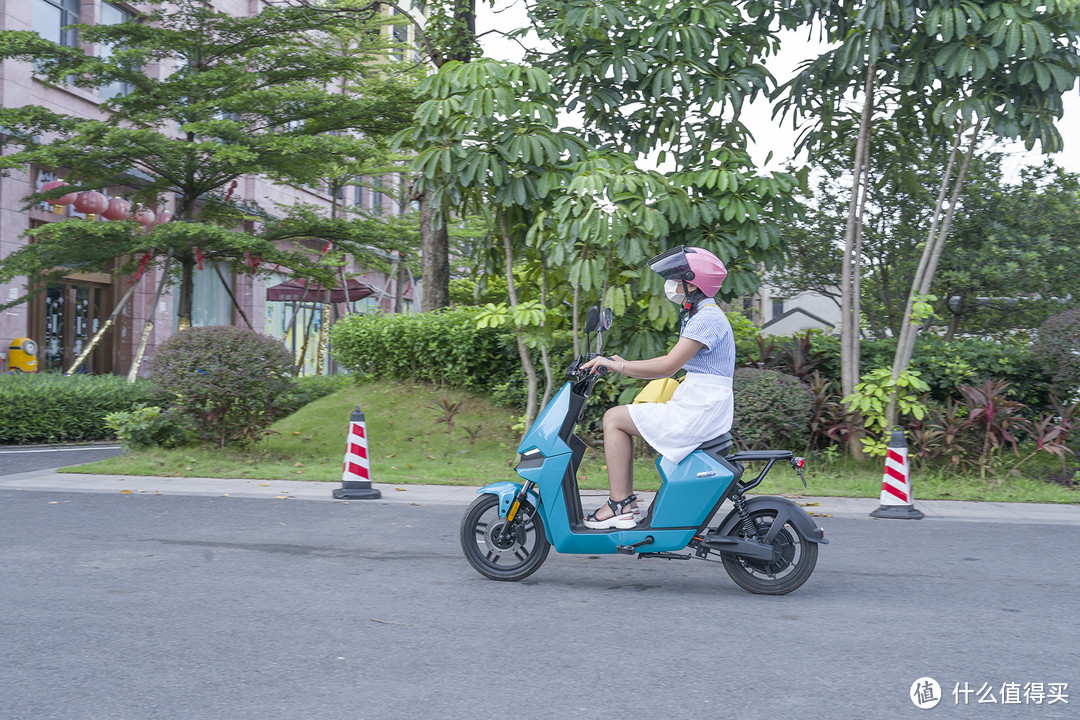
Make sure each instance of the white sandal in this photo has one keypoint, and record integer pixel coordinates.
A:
(623, 516)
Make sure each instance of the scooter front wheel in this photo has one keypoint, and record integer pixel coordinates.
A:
(793, 560)
(496, 553)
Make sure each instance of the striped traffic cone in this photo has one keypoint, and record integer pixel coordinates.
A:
(896, 498)
(356, 476)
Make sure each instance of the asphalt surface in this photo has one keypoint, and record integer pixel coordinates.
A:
(15, 459)
(143, 605)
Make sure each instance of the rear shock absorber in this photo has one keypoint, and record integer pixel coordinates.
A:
(747, 524)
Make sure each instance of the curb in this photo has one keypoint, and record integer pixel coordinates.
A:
(457, 495)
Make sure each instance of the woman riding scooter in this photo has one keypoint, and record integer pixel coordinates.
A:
(703, 405)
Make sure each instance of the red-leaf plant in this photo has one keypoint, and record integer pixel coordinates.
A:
(992, 415)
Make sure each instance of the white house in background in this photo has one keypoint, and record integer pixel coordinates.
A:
(778, 314)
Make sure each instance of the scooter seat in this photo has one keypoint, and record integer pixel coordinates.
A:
(718, 445)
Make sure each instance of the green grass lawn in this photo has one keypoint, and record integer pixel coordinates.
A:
(408, 444)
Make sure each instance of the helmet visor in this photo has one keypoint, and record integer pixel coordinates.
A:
(672, 265)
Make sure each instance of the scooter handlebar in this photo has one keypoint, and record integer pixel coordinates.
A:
(575, 367)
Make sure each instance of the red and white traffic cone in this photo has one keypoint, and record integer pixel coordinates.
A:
(896, 498)
(356, 476)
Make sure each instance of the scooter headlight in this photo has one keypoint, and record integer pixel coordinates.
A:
(530, 459)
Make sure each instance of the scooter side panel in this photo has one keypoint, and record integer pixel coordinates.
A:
(605, 543)
(690, 490)
(543, 434)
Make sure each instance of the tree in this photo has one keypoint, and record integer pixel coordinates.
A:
(225, 104)
(485, 146)
(574, 205)
(447, 33)
(957, 69)
(1007, 265)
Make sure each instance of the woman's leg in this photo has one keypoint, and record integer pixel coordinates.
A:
(619, 433)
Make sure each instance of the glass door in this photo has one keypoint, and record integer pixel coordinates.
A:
(73, 313)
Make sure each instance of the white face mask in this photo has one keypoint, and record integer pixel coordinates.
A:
(671, 289)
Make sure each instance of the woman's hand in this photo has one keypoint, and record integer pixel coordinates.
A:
(613, 362)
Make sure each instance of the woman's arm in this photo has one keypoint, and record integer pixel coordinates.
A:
(657, 367)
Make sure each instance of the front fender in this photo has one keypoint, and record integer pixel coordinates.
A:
(506, 492)
(786, 511)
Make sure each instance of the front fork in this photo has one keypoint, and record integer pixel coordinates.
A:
(521, 497)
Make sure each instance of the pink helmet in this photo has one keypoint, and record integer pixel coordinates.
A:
(694, 264)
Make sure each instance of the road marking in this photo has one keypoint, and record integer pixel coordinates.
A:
(72, 449)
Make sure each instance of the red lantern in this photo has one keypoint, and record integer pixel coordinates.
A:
(145, 216)
(117, 209)
(91, 202)
(162, 218)
(66, 199)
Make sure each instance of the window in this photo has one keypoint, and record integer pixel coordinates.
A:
(748, 307)
(401, 37)
(777, 307)
(113, 15)
(51, 18)
(358, 197)
(376, 203)
(210, 302)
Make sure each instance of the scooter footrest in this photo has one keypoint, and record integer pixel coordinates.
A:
(664, 555)
(631, 549)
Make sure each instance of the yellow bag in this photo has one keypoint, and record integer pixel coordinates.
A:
(658, 391)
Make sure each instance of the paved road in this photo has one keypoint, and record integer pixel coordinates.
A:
(20, 459)
(148, 606)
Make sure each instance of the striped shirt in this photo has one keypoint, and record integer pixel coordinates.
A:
(710, 327)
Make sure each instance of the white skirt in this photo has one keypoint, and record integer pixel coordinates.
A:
(703, 407)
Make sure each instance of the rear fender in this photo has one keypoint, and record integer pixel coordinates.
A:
(786, 511)
(506, 491)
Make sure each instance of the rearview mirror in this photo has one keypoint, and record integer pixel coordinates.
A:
(592, 319)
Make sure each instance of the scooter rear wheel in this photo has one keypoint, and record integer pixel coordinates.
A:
(513, 557)
(792, 564)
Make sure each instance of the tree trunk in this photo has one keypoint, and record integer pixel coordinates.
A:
(324, 334)
(148, 326)
(574, 321)
(187, 289)
(523, 350)
(435, 263)
(849, 321)
(399, 285)
(549, 380)
(935, 245)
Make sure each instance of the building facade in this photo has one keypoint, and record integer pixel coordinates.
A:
(63, 318)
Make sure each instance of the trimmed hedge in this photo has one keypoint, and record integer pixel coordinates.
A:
(48, 408)
(772, 410)
(443, 347)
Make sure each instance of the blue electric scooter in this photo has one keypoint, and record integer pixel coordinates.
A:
(768, 545)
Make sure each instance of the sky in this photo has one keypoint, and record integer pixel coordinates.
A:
(772, 135)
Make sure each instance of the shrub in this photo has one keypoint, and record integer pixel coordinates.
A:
(148, 426)
(225, 379)
(772, 410)
(1056, 348)
(47, 407)
(945, 365)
